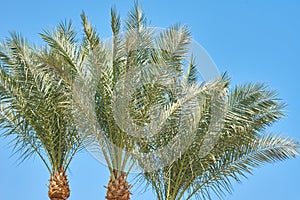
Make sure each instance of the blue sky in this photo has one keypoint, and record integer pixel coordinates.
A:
(253, 40)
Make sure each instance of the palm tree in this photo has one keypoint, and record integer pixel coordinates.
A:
(96, 74)
(118, 59)
(36, 108)
(120, 64)
(242, 144)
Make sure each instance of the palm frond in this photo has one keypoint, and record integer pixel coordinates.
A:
(232, 165)
(136, 19)
(252, 108)
(173, 45)
(63, 41)
(192, 72)
(90, 33)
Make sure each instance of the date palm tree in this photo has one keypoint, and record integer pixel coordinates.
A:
(242, 144)
(112, 62)
(127, 59)
(36, 109)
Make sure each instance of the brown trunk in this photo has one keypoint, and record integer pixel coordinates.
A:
(118, 188)
(59, 186)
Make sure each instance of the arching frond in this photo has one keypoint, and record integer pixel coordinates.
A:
(232, 165)
(62, 42)
(173, 45)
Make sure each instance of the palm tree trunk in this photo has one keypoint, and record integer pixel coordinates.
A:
(59, 186)
(118, 188)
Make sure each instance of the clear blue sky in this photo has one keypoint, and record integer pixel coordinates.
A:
(252, 40)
